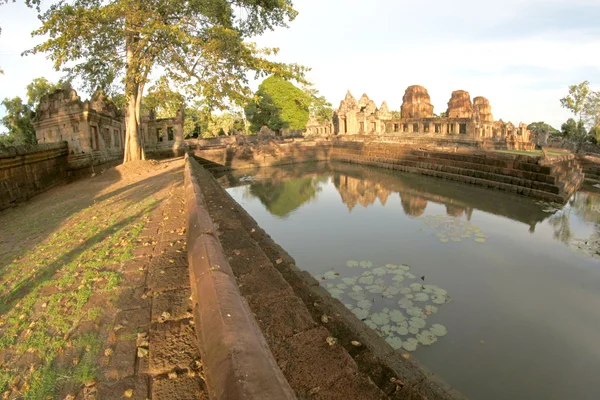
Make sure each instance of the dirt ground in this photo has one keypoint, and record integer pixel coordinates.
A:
(94, 290)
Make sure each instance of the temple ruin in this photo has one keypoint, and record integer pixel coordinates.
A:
(463, 118)
(95, 129)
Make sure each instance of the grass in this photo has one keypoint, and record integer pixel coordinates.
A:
(46, 290)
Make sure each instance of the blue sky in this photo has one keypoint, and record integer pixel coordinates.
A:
(520, 54)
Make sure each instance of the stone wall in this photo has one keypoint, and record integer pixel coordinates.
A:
(28, 170)
(550, 179)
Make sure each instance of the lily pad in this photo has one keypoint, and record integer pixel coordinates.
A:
(375, 288)
(370, 324)
(480, 240)
(413, 329)
(426, 338)
(357, 295)
(380, 319)
(397, 316)
(438, 330)
(349, 281)
(416, 287)
(341, 286)
(405, 303)
(357, 288)
(330, 275)
(410, 344)
(404, 267)
(336, 293)
(415, 312)
(410, 275)
(438, 299)
(431, 309)
(394, 341)
(366, 280)
(444, 240)
(391, 266)
(352, 263)
(402, 330)
(417, 322)
(421, 296)
(405, 290)
(379, 271)
(398, 278)
(364, 304)
(360, 313)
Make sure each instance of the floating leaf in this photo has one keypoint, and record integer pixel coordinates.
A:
(386, 329)
(431, 309)
(380, 319)
(360, 313)
(427, 338)
(410, 276)
(385, 310)
(364, 304)
(480, 240)
(416, 287)
(413, 329)
(366, 280)
(398, 278)
(349, 281)
(402, 330)
(404, 267)
(421, 297)
(341, 286)
(330, 275)
(357, 288)
(379, 271)
(367, 273)
(394, 341)
(444, 240)
(352, 263)
(438, 299)
(438, 330)
(330, 285)
(336, 293)
(405, 303)
(397, 316)
(417, 322)
(370, 324)
(391, 266)
(456, 239)
(410, 344)
(414, 312)
(405, 290)
(375, 288)
(357, 295)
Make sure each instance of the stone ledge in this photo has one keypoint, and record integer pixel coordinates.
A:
(237, 360)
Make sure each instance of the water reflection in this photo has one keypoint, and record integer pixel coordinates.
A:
(521, 301)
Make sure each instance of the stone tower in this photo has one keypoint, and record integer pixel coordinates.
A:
(460, 105)
(416, 103)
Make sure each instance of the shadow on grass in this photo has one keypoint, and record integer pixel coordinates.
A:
(38, 279)
(27, 225)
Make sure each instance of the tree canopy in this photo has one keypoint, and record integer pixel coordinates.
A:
(200, 46)
(279, 105)
(19, 115)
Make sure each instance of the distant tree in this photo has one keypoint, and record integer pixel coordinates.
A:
(575, 132)
(279, 105)
(576, 100)
(18, 122)
(542, 127)
(592, 110)
(19, 115)
(319, 107)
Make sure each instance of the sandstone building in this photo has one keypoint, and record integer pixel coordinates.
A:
(95, 129)
(463, 118)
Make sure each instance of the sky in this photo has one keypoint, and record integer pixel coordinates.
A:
(520, 54)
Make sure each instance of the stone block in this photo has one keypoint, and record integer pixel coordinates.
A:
(181, 388)
(172, 345)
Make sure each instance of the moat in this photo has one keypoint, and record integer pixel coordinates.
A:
(497, 294)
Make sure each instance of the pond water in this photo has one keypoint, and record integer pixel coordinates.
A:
(497, 294)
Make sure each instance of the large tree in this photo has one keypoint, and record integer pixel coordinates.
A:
(200, 46)
(279, 105)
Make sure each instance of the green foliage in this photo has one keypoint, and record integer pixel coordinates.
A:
(281, 197)
(19, 116)
(576, 99)
(279, 105)
(319, 107)
(18, 122)
(575, 132)
(202, 45)
(162, 100)
(542, 127)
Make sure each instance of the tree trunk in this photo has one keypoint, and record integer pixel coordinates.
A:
(134, 150)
